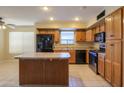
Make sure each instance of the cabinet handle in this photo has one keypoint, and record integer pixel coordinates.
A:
(111, 35)
(112, 44)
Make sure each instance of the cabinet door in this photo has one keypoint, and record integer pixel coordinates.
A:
(89, 35)
(102, 27)
(56, 36)
(80, 36)
(87, 56)
(117, 24)
(97, 29)
(123, 50)
(72, 58)
(108, 27)
(83, 36)
(101, 61)
(116, 63)
(108, 59)
(101, 64)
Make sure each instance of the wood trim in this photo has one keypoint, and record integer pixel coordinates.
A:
(40, 29)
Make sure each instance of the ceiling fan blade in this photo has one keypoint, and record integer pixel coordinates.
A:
(12, 26)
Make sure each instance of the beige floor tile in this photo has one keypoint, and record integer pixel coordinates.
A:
(79, 76)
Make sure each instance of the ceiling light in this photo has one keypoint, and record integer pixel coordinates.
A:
(45, 8)
(76, 19)
(2, 27)
(51, 18)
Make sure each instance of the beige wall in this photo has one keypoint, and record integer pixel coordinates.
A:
(108, 9)
(60, 24)
(7, 55)
(1, 45)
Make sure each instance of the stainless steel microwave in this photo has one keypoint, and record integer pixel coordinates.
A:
(99, 37)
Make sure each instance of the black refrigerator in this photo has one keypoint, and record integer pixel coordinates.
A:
(44, 43)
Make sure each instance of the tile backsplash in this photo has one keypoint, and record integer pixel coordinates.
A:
(78, 45)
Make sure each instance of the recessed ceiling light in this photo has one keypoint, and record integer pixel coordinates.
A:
(76, 19)
(45, 8)
(51, 18)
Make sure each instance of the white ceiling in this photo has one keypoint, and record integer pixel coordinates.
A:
(29, 15)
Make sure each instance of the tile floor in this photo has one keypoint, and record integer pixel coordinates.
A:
(79, 76)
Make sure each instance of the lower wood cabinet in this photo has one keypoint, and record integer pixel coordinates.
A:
(87, 56)
(113, 62)
(72, 59)
(101, 64)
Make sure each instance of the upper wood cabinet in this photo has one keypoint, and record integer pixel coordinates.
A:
(113, 62)
(89, 35)
(97, 29)
(50, 31)
(108, 27)
(56, 36)
(113, 25)
(80, 36)
(117, 24)
(102, 27)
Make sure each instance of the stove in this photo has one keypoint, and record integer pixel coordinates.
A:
(93, 57)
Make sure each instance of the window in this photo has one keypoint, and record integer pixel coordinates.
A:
(21, 42)
(67, 37)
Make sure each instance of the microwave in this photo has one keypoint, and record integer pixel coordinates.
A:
(100, 37)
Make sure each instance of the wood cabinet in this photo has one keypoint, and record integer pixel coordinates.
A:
(72, 59)
(87, 56)
(113, 62)
(114, 25)
(97, 29)
(56, 36)
(51, 31)
(43, 71)
(108, 28)
(123, 51)
(108, 61)
(80, 36)
(102, 27)
(101, 64)
(117, 24)
(89, 35)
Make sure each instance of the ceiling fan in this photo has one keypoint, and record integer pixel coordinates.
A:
(3, 25)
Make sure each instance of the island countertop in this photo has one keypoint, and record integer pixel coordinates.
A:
(47, 55)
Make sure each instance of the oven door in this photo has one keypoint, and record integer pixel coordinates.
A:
(93, 61)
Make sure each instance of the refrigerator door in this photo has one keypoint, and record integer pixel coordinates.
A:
(45, 43)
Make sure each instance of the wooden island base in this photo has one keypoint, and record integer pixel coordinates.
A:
(43, 71)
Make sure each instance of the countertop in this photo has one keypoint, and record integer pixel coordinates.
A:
(103, 54)
(47, 55)
(75, 48)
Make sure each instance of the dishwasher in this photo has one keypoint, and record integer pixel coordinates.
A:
(80, 56)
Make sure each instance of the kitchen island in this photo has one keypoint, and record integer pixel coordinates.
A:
(44, 68)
